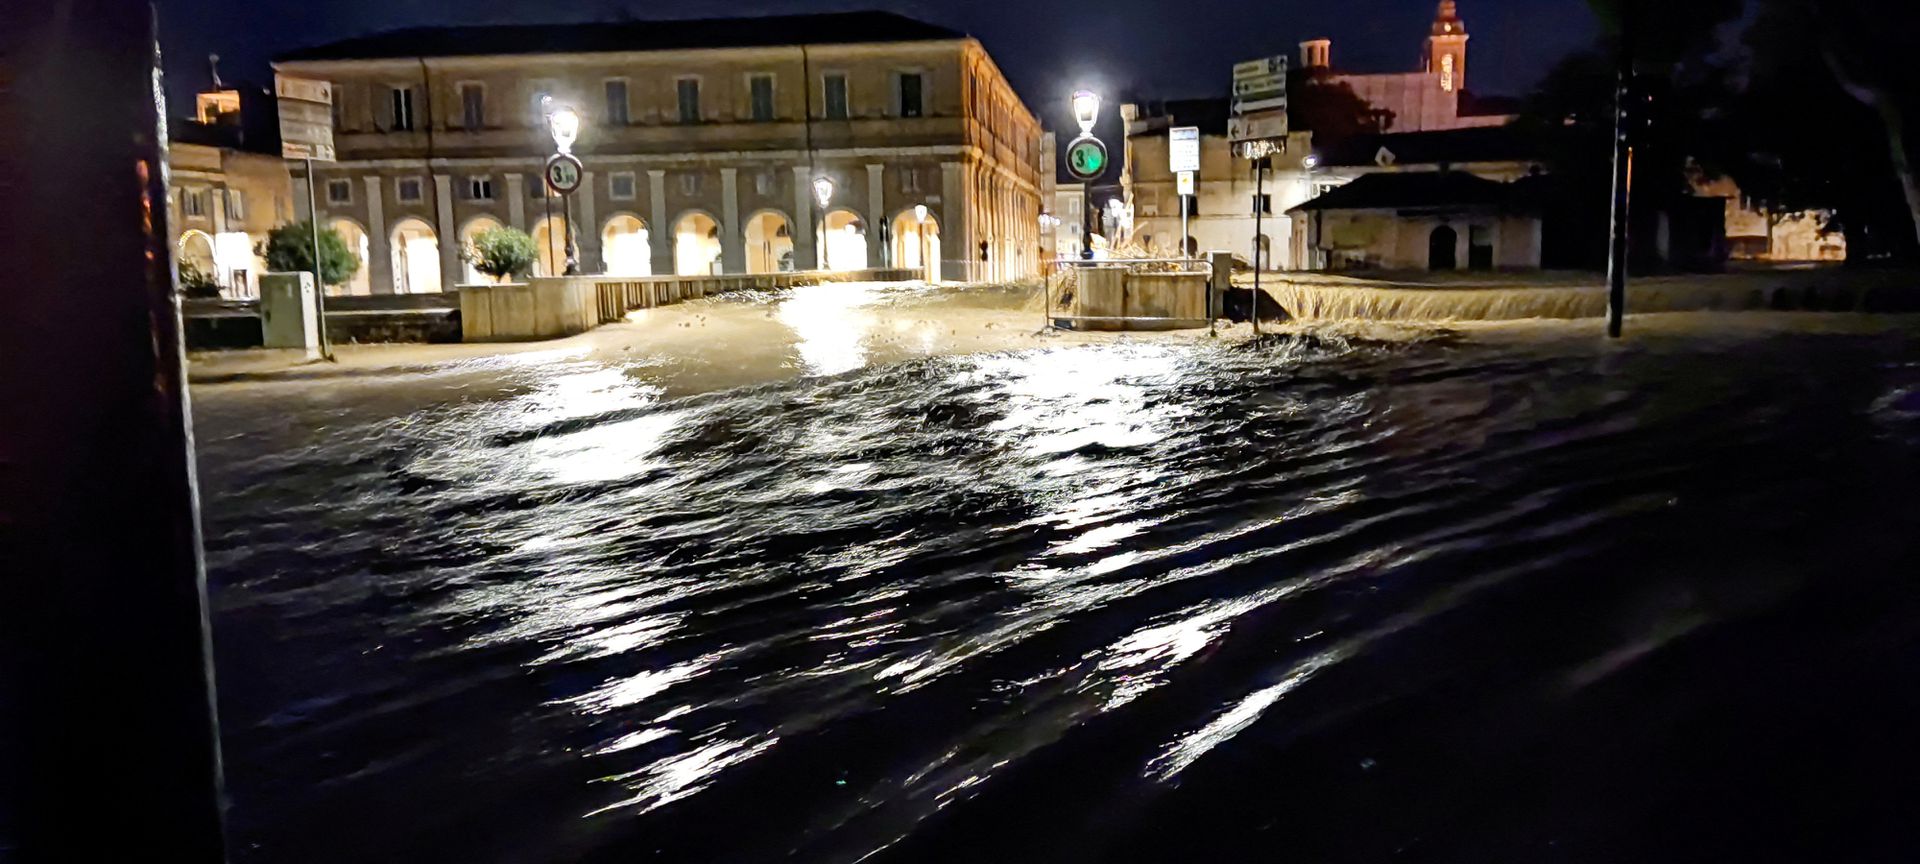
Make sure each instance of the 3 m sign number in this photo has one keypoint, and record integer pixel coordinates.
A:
(1086, 158)
(563, 173)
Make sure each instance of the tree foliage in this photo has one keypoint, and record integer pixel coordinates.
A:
(289, 249)
(501, 252)
(1329, 108)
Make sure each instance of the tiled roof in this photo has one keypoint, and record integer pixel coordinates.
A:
(840, 28)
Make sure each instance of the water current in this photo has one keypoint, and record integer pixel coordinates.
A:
(1534, 598)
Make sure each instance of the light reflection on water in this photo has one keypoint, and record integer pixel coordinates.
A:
(883, 612)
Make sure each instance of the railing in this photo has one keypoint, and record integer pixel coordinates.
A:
(615, 296)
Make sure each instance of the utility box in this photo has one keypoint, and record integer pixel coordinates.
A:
(289, 312)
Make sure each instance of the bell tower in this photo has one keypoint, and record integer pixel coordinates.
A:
(1447, 48)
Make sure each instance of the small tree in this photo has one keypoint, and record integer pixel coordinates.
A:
(197, 283)
(501, 252)
(289, 249)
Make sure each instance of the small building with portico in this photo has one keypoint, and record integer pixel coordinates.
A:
(1434, 221)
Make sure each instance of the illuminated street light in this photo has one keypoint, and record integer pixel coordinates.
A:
(920, 213)
(1310, 162)
(823, 190)
(1086, 110)
(564, 123)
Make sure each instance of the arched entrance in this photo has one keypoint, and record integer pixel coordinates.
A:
(624, 247)
(195, 258)
(1441, 254)
(696, 245)
(474, 228)
(916, 244)
(361, 282)
(845, 241)
(550, 246)
(416, 258)
(769, 243)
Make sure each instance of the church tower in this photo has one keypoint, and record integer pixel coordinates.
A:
(1447, 49)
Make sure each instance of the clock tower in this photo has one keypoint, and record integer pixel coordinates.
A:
(1447, 49)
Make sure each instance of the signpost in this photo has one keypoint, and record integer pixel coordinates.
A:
(306, 132)
(1086, 161)
(1258, 127)
(1183, 158)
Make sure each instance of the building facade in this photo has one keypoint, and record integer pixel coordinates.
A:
(701, 143)
(1227, 195)
(225, 194)
(1434, 97)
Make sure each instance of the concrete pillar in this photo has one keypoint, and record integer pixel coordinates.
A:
(517, 200)
(379, 244)
(733, 239)
(804, 256)
(587, 233)
(956, 235)
(877, 227)
(449, 233)
(300, 199)
(659, 233)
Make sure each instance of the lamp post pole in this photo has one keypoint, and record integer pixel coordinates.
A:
(823, 192)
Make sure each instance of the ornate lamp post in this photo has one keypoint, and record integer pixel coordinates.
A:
(1086, 160)
(920, 237)
(563, 172)
(823, 193)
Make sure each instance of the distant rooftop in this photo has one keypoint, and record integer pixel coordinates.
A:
(1412, 190)
(840, 28)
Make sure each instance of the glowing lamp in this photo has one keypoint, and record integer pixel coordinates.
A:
(1086, 109)
(564, 124)
(823, 189)
(920, 213)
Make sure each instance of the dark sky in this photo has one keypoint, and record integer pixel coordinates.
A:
(1149, 48)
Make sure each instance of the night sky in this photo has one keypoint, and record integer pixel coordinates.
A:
(1139, 48)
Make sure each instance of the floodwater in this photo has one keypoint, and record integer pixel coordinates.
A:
(1517, 595)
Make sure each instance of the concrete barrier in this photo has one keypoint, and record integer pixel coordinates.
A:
(1117, 296)
(543, 307)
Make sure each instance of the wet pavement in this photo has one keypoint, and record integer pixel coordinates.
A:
(805, 578)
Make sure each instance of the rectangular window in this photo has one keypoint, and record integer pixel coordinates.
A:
(339, 192)
(689, 184)
(1190, 205)
(473, 107)
(537, 187)
(401, 99)
(689, 91)
(1263, 203)
(620, 185)
(910, 95)
(193, 203)
(763, 184)
(236, 206)
(617, 102)
(479, 188)
(408, 189)
(339, 112)
(760, 89)
(835, 86)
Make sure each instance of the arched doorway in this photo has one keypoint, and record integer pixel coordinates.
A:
(624, 246)
(361, 282)
(474, 228)
(916, 243)
(845, 246)
(195, 259)
(416, 258)
(550, 246)
(769, 243)
(1441, 254)
(696, 245)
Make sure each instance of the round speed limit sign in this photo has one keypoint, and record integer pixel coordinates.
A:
(563, 173)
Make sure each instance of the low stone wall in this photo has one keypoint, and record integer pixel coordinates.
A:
(1115, 298)
(543, 307)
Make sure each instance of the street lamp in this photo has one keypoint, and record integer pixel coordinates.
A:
(823, 193)
(563, 123)
(1086, 110)
(920, 238)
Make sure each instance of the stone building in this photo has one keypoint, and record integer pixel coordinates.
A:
(1756, 232)
(701, 140)
(1432, 98)
(228, 187)
(1226, 195)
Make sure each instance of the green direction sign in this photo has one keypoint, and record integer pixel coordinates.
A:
(1086, 158)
